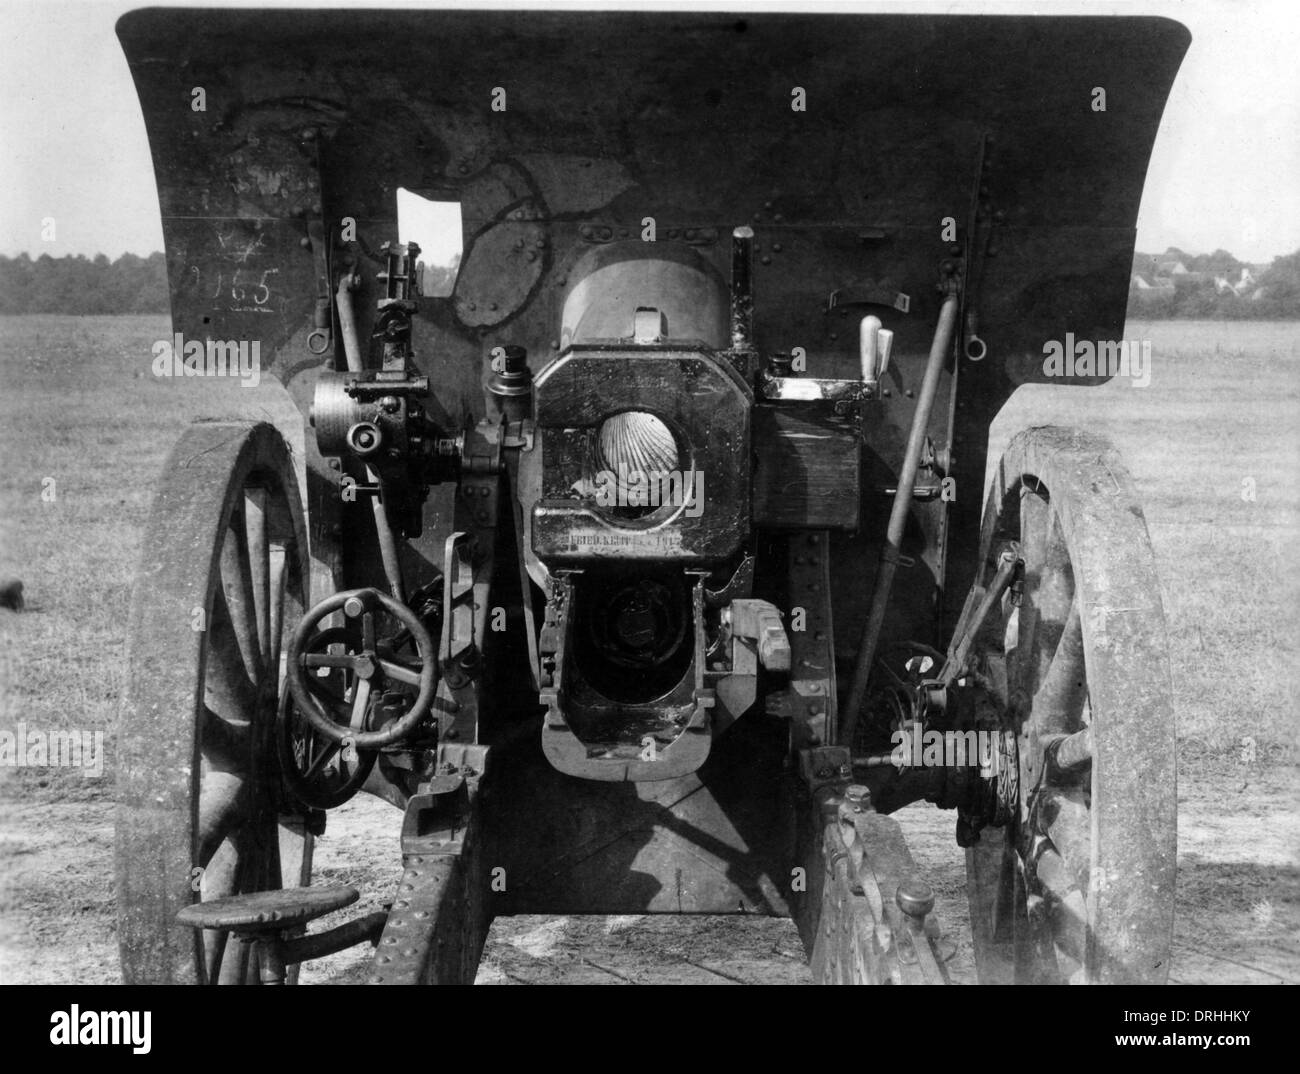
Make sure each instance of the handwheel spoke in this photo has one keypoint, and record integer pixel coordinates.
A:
(318, 764)
(399, 673)
(329, 660)
(360, 702)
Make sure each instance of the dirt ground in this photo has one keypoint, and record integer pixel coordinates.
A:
(1238, 905)
(1222, 413)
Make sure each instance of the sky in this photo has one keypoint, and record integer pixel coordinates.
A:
(1225, 172)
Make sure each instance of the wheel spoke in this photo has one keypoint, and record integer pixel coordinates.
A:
(278, 559)
(222, 810)
(265, 836)
(1053, 596)
(228, 687)
(1065, 819)
(1058, 701)
(220, 873)
(296, 847)
(214, 947)
(224, 743)
(237, 586)
(259, 566)
(1066, 908)
(991, 867)
(1034, 944)
(220, 879)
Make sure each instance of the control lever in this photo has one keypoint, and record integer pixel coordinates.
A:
(874, 346)
(759, 621)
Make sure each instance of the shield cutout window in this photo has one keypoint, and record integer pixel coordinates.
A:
(435, 226)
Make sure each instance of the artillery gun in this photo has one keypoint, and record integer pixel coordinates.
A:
(656, 559)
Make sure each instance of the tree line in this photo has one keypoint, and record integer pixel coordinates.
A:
(78, 284)
(132, 284)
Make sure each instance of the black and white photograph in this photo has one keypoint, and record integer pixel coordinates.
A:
(663, 494)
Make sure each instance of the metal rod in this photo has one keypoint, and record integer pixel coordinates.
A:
(366, 929)
(868, 348)
(742, 288)
(889, 555)
(348, 322)
(959, 652)
(352, 349)
(1070, 753)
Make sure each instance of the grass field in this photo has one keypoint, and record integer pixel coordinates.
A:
(79, 407)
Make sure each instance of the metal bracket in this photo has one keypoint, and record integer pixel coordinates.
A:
(810, 703)
(870, 297)
(436, 925)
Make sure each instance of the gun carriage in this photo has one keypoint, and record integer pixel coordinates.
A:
(642, 566)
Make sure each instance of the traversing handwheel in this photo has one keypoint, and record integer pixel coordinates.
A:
(375, 664)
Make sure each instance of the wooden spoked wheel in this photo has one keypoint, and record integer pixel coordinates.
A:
(201, 809)
(1078, 885)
